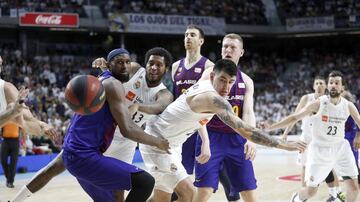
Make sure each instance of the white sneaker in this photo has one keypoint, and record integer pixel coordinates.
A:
(294, 196)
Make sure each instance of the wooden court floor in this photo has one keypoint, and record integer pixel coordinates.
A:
(270, 164)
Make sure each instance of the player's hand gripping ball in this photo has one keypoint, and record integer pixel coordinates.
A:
(85, 94)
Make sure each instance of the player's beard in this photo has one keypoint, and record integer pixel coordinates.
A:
(152, 82)
(123, 77)
(334, 94)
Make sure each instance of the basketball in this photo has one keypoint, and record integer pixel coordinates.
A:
(85, 94)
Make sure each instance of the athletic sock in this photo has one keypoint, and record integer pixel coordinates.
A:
(333, 191)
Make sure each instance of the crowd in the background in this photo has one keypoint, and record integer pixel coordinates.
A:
(279, 83)
(234, 11)
(72, 6)
(313, 8)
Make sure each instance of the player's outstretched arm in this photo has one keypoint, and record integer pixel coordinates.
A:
(115, 95)
(162, 100)
(312, 107)
(224, 111)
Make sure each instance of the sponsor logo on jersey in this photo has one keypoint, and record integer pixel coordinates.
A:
(197, 70)
(192, 82)
(203, 122)
(324, 118)
(130, 96)
(137, 84)
(241, 85)
(235, 97)
(173, 167)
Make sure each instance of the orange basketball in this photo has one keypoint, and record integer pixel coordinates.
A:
(85, 94)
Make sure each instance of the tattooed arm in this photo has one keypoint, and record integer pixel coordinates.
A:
(224, 111)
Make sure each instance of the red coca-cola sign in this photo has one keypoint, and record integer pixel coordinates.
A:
(49, 19)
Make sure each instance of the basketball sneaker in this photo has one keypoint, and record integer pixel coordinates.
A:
(294, 196)
(340, 197)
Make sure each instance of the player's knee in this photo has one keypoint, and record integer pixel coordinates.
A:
(330, 178)
(186, 192)
(205, 191)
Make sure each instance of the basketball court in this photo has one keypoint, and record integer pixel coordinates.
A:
(276, 171)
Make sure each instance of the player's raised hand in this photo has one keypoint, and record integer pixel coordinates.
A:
(100, 63)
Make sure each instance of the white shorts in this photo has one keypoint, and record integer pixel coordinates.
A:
(322, 159)
(302, 157)
(167, 169)
(122, 148)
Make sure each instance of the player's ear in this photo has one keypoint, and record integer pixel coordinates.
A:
(242, 51)
(212, 76)
(202, 41)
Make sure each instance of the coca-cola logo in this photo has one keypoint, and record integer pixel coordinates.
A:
(48, 20)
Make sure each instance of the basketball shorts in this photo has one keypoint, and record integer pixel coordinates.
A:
(322, 159)
(99, 175)
(350, 136)
(167, 169)
(227, 152)
(188, 153)
(122, 148)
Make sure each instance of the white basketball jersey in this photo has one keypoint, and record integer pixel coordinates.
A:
(329, 122)
(306, 123)
(3, 102)
(137, 90)
(178, 121)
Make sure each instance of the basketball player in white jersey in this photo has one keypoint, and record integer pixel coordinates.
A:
(328, 149)
(189, 113)
(146, 96)
(233, 177)
(319, 87)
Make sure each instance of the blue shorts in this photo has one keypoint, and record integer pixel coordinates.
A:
(350, 136)
(227, 152)
(188, 153)
(99, 175)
